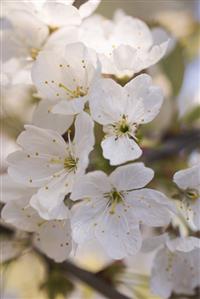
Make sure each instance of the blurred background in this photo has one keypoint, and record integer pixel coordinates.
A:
(179, 76)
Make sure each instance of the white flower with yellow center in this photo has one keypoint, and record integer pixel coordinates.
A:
(65, 80)
(27, 35)
(121, 110)
(124, 45)
(49, 163)
(53, 237)
(188, 181)
(114, 206)
(176, 267)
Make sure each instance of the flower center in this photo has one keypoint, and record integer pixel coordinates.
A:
(34, 53)
(124, 127)
(70, 163)
(52, 29)
(114, 198)
(76, 93)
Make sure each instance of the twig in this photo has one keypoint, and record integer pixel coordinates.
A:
(78, 3)
(188, 141)
(93, 281)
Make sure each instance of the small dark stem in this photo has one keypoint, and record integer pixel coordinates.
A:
(78, 3)
(93, 281)
(187, 141)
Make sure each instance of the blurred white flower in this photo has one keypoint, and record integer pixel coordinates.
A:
(48, 162)
(65, 80)
(176, 267)
(51, 237)
(26, 36)
(121, 110)
(194, 158)
(54, 13)
(188, 180)
(189, 97)
(125, 45)
(113, 207)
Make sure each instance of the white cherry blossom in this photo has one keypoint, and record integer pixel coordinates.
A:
(27, 36)
(124, 45)
(121, 110)
(53, 237)
(65, 79)
(176, 267)
(188, 182)
(113, 207)
(49, 163)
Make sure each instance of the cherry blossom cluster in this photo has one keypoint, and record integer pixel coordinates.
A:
(71, 60)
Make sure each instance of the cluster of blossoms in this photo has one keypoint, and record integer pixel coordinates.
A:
(70, 59)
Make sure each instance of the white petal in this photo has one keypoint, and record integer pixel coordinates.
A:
(154, 54)
(153, 243)
(149, 206)
(117, 236)
(31, 171)
(196, 213)
(82, 63)
(23, 217)
(120, 150)
(161, 276)
(183, 244)
(87, 8)
(126, 59)
(29, 30)
(54, 239)
(85, 217)
(84, 135)
(42, 141)
(144, 99)
(44, 118)
(131, 176)
(60, 38)
(69, 108)
(52, 194)
(106, 101)
(188, 178)
(186, 272)
(60, 212)
(58, 14)
(93, 184)
(132, 31)
(11, 190)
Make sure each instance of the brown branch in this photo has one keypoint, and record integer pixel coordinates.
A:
(78, 3)
(187, 141)
(97, 283)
